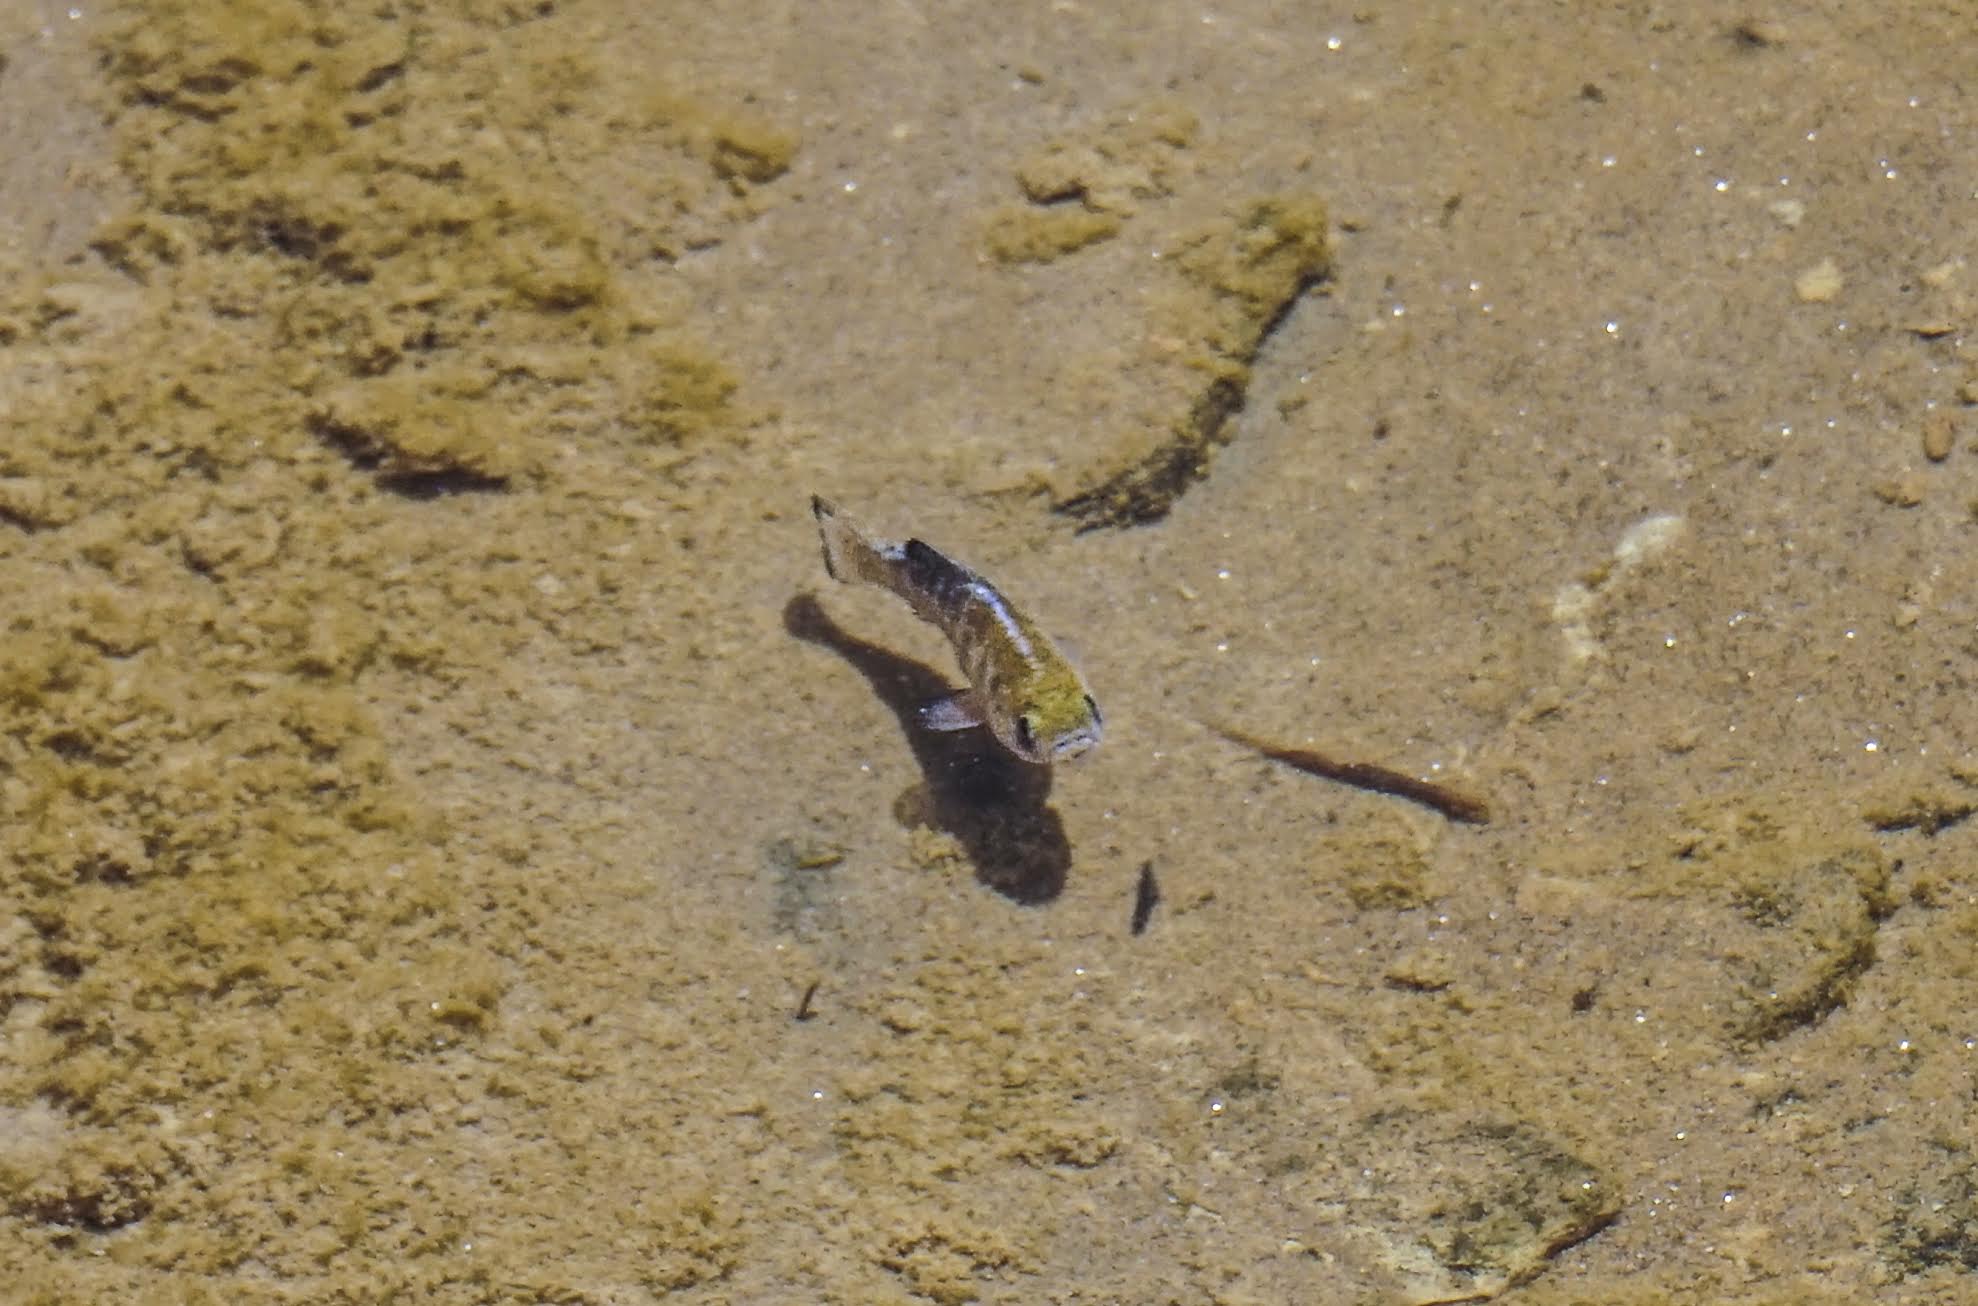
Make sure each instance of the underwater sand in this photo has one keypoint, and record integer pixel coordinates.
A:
(460, 847)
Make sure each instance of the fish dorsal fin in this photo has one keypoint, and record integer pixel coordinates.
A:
(933, 572)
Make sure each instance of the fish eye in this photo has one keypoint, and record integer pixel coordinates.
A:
(1024, 735)
(1093, 707)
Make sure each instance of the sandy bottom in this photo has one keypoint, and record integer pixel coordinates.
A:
(460, 847)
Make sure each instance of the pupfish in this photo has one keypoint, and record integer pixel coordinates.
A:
(1019, 684)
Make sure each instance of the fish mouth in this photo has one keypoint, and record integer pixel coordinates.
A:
(1074, 746)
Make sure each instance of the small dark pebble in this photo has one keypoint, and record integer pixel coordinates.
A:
(1145, 897)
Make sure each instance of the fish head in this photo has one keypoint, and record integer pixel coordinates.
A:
(1055, 722)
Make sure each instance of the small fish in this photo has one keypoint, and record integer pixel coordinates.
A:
(1020, 686)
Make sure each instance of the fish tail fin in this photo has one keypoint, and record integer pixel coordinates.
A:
(848, 555)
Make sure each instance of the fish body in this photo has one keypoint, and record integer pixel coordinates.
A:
(1020, 685)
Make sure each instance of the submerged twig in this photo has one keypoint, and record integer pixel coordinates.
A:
(1450, 803)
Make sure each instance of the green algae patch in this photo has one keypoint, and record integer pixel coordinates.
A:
(406, 428)
(1467, 1207)
(1021, 234)
(1934, 1227)
(945, 1261)
(413, 207)
(201, 835)
(1797, 910)
(379, 256)
(1814, 915)
(1082, 188)
(687, 397)
(1657, 1287)
(1233, 280)
(1115, 166)
(1786, 914)
(951, 1084)
(744, 149)
(1383, 859)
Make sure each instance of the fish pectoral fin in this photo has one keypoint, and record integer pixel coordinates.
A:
(954, 712)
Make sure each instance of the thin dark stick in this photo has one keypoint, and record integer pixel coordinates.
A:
(803, 1008)
(1144, 898)
(1450, 803)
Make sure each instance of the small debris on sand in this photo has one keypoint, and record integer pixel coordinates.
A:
(1819, 284)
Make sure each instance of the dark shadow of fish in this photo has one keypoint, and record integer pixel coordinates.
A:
(994, 804)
